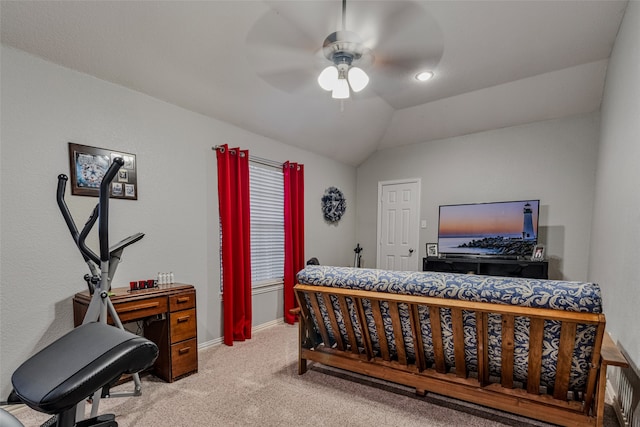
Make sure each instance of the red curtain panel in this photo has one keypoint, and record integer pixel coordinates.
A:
(233, 198)
(293, 232)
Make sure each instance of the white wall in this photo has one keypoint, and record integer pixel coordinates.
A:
(615, 251)
(553, 161)
(43, 107)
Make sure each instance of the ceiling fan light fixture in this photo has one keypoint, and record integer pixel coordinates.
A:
(341, 89)
(328, 78)
(344, 48)
(358, 79)
(423, 76)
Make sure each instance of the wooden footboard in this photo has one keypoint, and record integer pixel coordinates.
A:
(325, 310)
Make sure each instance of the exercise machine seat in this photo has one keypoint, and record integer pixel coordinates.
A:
(73, 367)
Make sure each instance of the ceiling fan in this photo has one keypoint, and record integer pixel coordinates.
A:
(344, 49)
(379, 46)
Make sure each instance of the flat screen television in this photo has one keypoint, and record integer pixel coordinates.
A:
(499, 229)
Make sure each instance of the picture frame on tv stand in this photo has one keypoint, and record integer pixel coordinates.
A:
(538, 253)
(432, 249)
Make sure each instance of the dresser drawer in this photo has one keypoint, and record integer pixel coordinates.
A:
(184, 358)
(183, 325)
(182, 301)
(134, 310)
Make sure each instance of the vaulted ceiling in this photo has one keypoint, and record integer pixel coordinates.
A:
(255, 63)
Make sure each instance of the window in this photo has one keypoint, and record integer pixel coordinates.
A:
(266, 193)
(266, 198)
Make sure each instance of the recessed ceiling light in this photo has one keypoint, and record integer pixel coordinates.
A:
(424, 76)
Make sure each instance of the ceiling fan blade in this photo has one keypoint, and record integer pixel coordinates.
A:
(269, 58)
(313, 19)
(409, 60)
(294, 80)
(404, 36)
(281, 53)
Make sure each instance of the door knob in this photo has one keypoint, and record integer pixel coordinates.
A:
(410, 250)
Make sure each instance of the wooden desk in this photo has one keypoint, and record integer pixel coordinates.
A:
(169, 314)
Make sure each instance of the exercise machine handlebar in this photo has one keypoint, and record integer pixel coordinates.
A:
(103, 212)
(62, 185)
(83, 236)
(78, 238)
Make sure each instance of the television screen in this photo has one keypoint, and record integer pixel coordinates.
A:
(507, 229)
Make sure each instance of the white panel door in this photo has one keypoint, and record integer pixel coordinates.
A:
(399, 204)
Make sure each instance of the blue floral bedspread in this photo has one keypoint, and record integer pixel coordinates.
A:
(565, 295)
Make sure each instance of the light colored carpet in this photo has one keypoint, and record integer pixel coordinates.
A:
(255, 383)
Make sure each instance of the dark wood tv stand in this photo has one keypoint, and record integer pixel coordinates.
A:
(488, 266)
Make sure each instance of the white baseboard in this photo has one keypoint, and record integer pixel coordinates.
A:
(267, 325)
(257, 328)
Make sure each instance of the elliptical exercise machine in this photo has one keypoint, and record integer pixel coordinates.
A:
(100, 279)
(91, 357)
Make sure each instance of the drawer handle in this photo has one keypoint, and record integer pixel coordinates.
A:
(183, 319)
(184, 350)
(183, 299)
(138, 307)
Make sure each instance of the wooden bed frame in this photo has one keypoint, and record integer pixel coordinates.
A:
(555, 406)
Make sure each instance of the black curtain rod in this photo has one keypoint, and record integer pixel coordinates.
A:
(259, 160)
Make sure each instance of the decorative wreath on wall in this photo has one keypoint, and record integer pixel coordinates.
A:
(333, 204)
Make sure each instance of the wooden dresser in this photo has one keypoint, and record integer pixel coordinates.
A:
(169, 317)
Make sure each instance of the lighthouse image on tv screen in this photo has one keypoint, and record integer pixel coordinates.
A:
(507, 229)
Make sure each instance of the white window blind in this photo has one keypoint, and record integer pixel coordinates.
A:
(266, 193)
